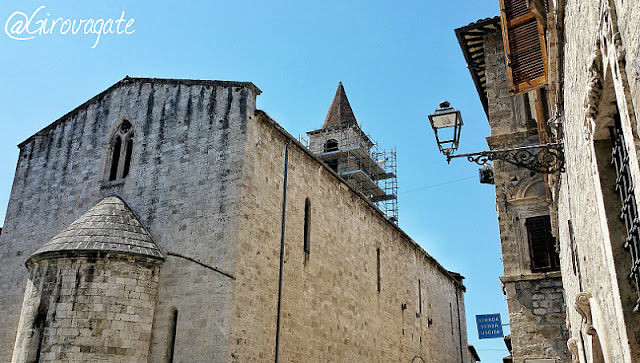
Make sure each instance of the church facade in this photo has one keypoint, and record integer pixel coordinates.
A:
(171, 221)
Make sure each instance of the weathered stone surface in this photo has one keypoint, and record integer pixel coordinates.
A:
(206, 185)
(340, 112)
(537, 328)
(332, 291)
(86, 309)
(184, 187)
(601, 73)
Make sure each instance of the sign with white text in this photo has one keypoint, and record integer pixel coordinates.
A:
(489, 326)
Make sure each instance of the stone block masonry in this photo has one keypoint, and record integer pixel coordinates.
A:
(332, 310)
(183, 186)
(536, 307)
(85, 309)
(204, 188)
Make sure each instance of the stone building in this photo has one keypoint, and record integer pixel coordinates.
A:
(587, 55)
(532, 281)
(171, 221)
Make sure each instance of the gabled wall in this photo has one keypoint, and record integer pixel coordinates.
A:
(184, 185)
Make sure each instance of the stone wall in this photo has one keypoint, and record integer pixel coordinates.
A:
(506, 113)
(331, 309)
(537, 317)
(91, 308)
(346, 136)
(601, 71)
(183, 185)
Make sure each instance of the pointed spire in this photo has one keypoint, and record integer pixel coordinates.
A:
(340, 112)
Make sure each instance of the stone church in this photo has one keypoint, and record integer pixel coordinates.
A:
(169, 220)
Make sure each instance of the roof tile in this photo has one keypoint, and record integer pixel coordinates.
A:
(340, 112)
(110, 226)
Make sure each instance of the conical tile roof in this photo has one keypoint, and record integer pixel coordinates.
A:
(110, 226)
(340, 112)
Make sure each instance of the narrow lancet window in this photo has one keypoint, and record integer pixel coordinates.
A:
(451, 314)
(307, 226)
(378, 267)
(115, 159)
(127, 156)
(419, 297)
(121, 151)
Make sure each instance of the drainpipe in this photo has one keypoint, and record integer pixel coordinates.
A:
(284, 209)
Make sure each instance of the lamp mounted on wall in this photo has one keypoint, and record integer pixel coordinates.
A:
(447, 124)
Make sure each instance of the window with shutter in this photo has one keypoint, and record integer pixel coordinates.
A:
(542, 245)
(524, 46)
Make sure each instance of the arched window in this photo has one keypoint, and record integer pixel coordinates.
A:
(331, 145)
(307, 226)
(121, 150)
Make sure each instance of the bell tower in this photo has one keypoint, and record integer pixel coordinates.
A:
(353, 155)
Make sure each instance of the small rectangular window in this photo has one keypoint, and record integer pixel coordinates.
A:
(542, 244)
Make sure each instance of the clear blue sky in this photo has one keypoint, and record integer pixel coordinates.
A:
(397, 61)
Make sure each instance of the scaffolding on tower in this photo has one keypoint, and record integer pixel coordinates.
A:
(358, 159)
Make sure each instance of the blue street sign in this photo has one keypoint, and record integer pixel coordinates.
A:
(489, 326)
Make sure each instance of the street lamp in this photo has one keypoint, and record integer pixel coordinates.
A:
(448, 122)
(542, 158)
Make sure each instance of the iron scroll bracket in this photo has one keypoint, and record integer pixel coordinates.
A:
(541, 158)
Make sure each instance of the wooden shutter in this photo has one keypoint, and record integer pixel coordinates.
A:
(542, 244)
(524, 47)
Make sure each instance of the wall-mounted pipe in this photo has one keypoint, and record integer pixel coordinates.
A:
(284, 209)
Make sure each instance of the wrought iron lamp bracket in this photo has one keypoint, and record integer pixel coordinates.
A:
(543, 158)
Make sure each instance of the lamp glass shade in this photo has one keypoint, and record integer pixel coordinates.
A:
(446, 123)
(444, 120)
